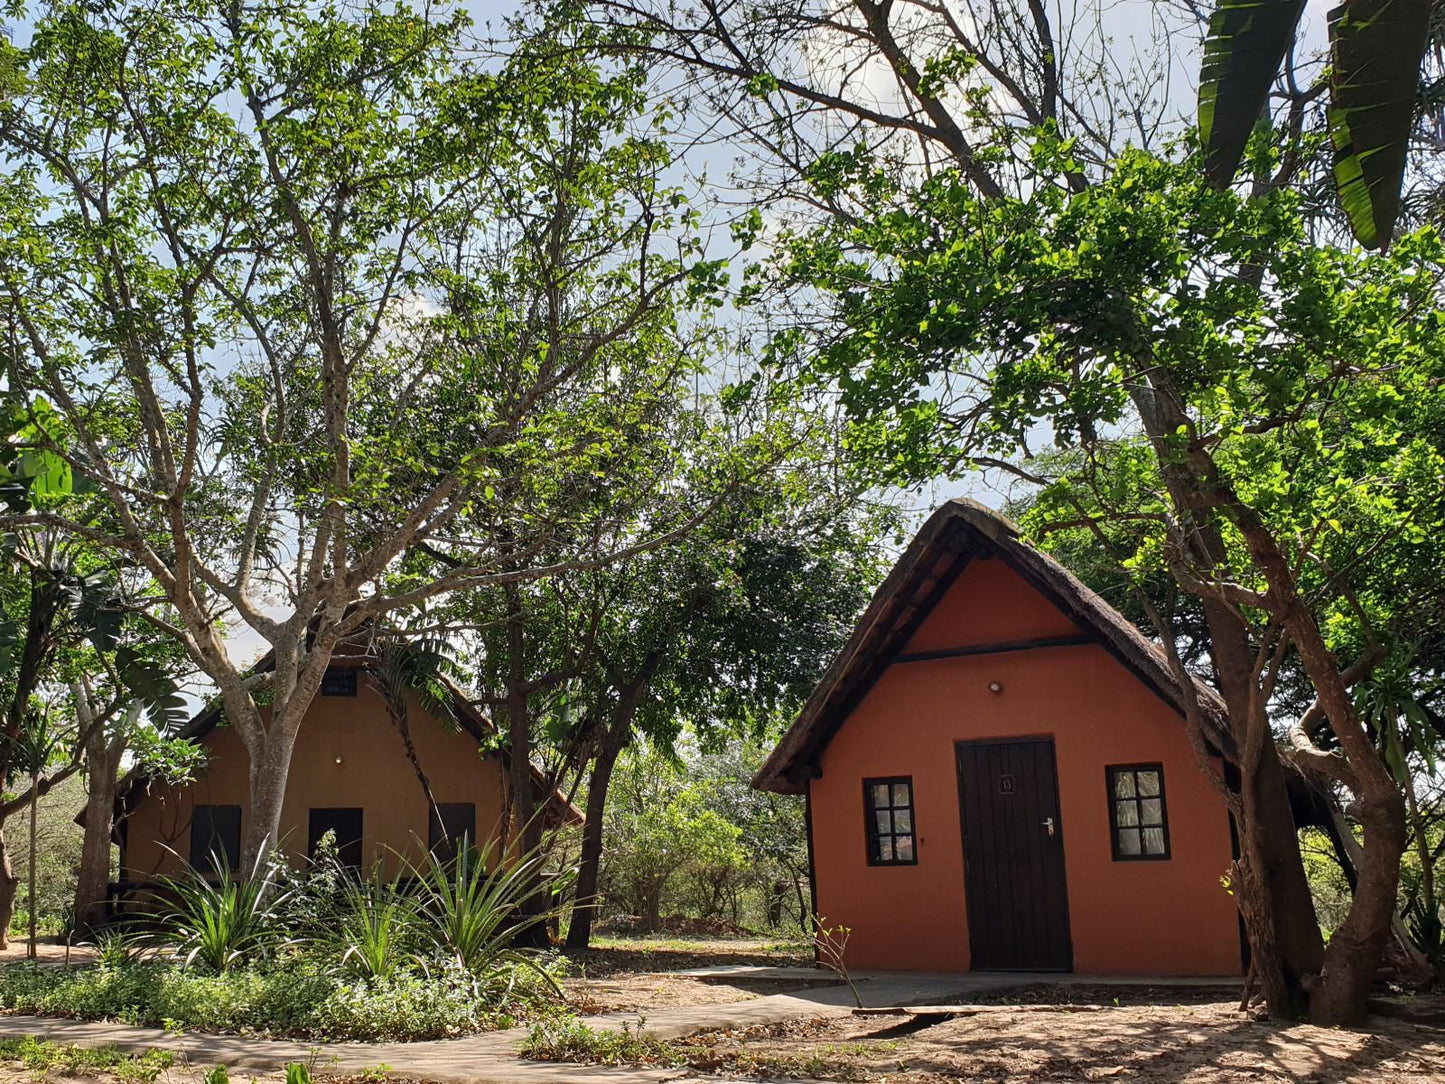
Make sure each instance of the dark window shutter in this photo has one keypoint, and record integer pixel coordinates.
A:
(338, 682)
(215, 829)
(460, 821)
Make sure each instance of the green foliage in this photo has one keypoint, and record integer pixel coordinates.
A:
(692, 837)
(374, 928)
(46, 1057)
(117, 946)
(299, 997)
(58, 857)
(215, 920)
(298, 1072)
(573, 1041)
(1376, 49)
(216, 1075)
(473, 908)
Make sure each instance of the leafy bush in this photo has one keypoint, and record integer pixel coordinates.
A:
(319, 954)
(300, 997)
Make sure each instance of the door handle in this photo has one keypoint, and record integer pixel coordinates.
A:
(1049, 824)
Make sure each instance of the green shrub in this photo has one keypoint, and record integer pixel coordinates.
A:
(474, 915)
(218, 920)
(299, 997)
(374, 928)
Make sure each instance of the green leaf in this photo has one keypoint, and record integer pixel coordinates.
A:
(1246, 43)
(1376, 46)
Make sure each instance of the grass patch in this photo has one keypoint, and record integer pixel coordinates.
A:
(573, 1041)
(43, 1057)
(834, 1061)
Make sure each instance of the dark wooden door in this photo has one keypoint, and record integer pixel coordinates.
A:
(1013, 856)
(346, 823)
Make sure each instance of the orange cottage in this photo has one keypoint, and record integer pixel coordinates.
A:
(998, 776)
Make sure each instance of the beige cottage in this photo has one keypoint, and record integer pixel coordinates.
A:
(350, 774)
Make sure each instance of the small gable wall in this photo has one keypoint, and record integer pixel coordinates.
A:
(348, 754)
(1169, 917)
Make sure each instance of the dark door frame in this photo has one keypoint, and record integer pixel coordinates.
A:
(349, 851)
(1017, 739)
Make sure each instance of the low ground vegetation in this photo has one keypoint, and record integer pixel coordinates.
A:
(321, 953)
(40, 1058)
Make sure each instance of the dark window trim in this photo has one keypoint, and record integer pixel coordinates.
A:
(1146, 766)
(870, 821)
(339, 681)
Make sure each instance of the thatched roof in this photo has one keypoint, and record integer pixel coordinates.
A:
(135, 785)
(955, 534)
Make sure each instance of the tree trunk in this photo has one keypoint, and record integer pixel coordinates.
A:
(522, 793)
(1352, 959)
(1280, 919)
(589, 866)
(614, 740)
(1271, 889)
(9, 883)
(31, 949)
(102, 760)
(270, 768)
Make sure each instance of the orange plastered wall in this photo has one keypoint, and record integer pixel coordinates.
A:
(373, 774)
(1168, 917)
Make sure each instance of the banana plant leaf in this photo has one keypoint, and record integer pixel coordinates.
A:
(1246, 44)
(1376, 48)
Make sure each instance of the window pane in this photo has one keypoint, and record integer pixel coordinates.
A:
(1126, 814)
(904, 846)
(903, 820)
(885, 822)
(885, 849)
(880, 795)
(1148, 783)
(1153, 841)
(1128, 841)
(1123, 784)
(900, 794)
(1151, 811)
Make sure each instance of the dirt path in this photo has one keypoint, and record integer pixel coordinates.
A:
(636, 974)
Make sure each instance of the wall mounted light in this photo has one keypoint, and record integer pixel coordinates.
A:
(338, 760)
(993, 687)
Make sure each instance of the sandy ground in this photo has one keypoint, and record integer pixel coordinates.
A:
(1183, 1044)
(47, 950)
(630, 975)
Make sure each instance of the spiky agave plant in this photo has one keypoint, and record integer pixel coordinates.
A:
(215, 921)
(375, 925)
(474, 906)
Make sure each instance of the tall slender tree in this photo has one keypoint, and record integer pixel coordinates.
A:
(295, 291)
